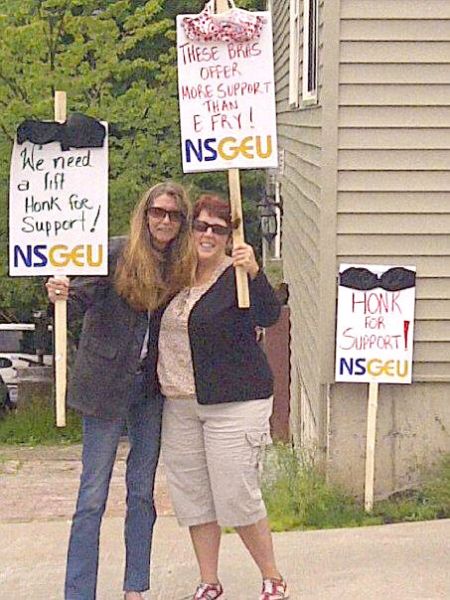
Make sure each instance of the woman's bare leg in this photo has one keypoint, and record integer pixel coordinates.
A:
(206, 542)
(258, 541)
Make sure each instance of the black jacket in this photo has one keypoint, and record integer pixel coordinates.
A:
(110, 344)
(229, 365)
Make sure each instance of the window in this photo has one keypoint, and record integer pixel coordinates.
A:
(294, 52)
(310, 50)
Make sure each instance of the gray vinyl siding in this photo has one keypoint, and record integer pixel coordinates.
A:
(394, 155)
(299, 136)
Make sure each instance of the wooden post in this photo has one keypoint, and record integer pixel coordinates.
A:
(236, 211)
(60, 312)
(372, 408)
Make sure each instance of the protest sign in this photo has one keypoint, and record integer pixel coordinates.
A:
(375, 323)
(227, 102)
(58, 211)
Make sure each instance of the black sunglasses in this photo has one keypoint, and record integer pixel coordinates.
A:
(175, 216)
(203, 226)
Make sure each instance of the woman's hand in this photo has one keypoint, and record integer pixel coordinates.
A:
(57, 288)
(244, 256)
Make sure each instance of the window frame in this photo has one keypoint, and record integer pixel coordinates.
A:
(310, 53)
(294, 53)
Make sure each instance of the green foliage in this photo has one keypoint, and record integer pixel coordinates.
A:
(36, 425)
(117, 61)
(431, 501)
(298, 497)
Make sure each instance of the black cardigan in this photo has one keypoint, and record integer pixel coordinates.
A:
(229, 365)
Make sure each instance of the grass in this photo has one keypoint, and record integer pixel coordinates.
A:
(431, 501)
(274, 271)
(36, 425)
(298, 497)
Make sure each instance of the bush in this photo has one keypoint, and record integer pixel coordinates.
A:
(298, 497)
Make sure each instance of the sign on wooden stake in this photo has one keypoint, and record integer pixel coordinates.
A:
(58, 217)
(374, 337)
(227, 111)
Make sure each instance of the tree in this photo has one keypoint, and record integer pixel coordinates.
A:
(117, 61)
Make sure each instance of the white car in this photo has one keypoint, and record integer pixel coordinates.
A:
(17, 350)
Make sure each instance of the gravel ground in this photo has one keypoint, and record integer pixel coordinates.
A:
(41, 483)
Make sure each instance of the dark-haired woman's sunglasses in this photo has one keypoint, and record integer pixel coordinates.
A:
(175, 216)
(203, 226)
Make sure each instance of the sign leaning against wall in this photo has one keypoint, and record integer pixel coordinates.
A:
(375, 323)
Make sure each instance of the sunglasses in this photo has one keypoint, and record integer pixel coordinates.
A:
(175, 216)
(203, 226)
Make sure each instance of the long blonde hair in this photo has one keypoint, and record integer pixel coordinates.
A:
(144, 277)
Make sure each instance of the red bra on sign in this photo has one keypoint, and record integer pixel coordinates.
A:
(235, 25)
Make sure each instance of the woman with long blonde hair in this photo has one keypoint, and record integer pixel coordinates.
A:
(139, 277)
(107, 386)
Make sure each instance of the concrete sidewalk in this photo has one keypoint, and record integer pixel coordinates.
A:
(402, 562)
(37, 498)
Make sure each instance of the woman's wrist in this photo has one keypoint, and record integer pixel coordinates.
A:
(253, 271)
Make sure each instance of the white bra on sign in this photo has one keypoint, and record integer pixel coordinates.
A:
(235, 25)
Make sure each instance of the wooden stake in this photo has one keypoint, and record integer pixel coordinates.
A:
(60, 312)
(236, 211)
(238, 235)
(372, 408)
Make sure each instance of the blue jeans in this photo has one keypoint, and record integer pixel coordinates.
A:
(100, 441)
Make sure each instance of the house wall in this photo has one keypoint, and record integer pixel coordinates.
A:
(394, 156)
(367, 180)
(393, 207)
(300, 139)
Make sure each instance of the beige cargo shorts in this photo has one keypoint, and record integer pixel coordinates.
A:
(213, 457)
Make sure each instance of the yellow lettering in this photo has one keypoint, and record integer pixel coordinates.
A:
(77, 254)
(62, 250)
(61, 256)
(375, 367)
(233, 150)
(402, 372)
(246, 147)
(90, 261)
(388, 368)
(268, 151)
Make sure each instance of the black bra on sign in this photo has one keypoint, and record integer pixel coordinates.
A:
(79, 131)
(392, 280)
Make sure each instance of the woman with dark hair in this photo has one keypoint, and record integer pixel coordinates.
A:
(218, 388)
(107, 386)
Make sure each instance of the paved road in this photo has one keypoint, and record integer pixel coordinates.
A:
(402, 562)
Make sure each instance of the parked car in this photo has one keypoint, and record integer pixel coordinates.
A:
(5, 397)
(18, 349)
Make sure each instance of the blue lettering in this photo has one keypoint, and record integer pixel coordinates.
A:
(197, 150)
(360, 366)
(39, 254)
(27, 257)
(352, 366)
(207, 145)
(348, 365)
